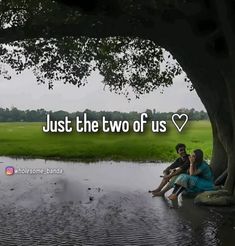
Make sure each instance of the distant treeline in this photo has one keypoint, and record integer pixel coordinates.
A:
(39, 115)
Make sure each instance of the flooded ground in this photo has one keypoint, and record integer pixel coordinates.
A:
(104, 203)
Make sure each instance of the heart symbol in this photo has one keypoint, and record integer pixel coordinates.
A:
(179, 117)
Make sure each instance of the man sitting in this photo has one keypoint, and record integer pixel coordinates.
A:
(180, 165)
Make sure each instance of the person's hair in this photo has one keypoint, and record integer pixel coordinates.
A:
(198, 155)
(179, 145)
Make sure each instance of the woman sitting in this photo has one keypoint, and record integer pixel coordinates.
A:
(199, 179)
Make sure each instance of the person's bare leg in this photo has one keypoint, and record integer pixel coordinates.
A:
(163, 191)
(177, 190)
(159, 188)
(172, 196)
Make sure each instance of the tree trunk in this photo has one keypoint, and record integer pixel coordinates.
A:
(220, 107)
(230, 181)
(217, 95)
(219, 160)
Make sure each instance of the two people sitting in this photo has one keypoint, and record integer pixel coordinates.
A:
(189, 173)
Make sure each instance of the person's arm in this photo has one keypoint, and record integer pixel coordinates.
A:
(174, 173)
(192, 168)
(174, 165)
(166, 171)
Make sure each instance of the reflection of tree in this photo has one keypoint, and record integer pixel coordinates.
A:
(200, 34)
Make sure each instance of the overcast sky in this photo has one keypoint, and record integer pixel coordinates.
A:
(23, 92)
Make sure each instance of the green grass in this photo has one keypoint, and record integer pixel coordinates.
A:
(28, 140)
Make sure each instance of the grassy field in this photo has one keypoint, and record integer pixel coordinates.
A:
(28, 140)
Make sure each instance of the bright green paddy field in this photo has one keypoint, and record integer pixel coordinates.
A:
(23, 139)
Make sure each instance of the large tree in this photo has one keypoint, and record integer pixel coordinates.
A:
(66, 40)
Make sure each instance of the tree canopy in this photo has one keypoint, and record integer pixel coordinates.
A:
(139, 64)
(122, 61)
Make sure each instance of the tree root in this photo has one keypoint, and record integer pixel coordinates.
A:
(215, 198)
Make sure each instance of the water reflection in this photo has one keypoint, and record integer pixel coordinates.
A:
(103, 203)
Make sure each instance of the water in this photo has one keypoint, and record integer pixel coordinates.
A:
(104, 203)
